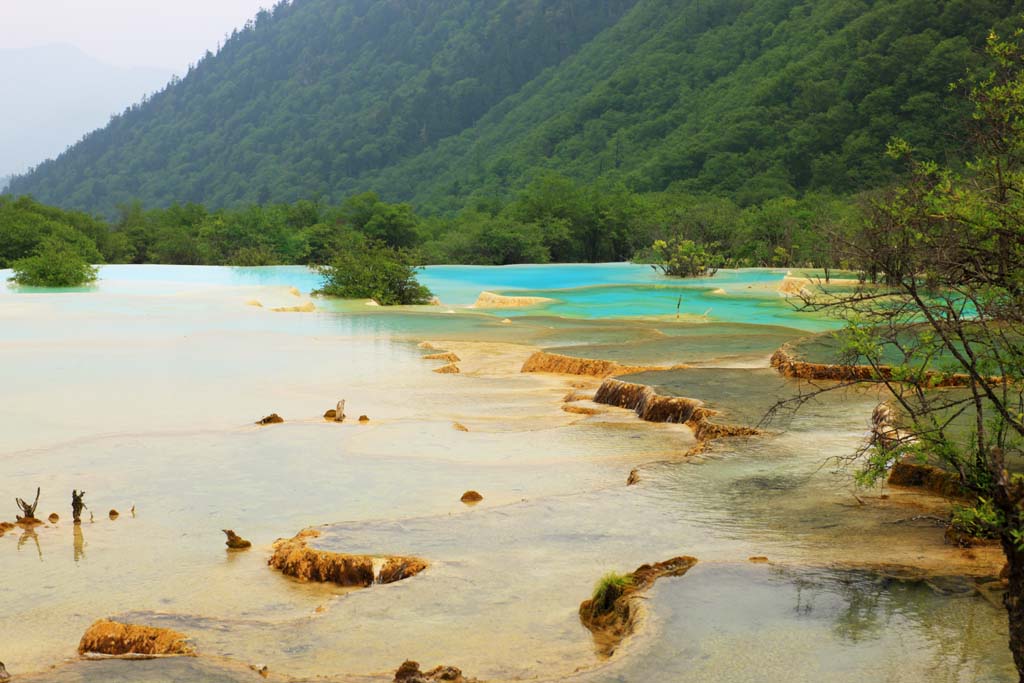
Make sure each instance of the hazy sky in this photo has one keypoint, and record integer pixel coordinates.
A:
(169, 33)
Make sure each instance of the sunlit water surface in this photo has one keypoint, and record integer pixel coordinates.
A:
(143, 390)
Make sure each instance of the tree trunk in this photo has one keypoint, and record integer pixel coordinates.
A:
(1014, 601)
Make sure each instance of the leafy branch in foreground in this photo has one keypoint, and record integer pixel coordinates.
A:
(943, 330)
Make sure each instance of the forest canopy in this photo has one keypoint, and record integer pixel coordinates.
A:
(448, 104)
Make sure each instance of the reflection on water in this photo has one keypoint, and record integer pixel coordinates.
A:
(145, 392)
(766, 623)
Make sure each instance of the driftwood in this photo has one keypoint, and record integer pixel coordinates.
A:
(77, 505)
(28, 511)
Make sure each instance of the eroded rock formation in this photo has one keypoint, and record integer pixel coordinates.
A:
(928, 477)
(112, 638)
(611, 615)
(410, 672)
(450, 369)
(653, 407)
(272, 419)
(294, 558)
(235, 542)
(554, 363)
(448, 357)
(790, 365)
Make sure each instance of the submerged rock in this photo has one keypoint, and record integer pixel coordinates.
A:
(272, 419)
(308, 307)
(492, 300)
(410, 672)
(112, 638)
(236, 542)
(471, 497)
(5, 527)
(459, 427)
(294, 558)
(611, 614)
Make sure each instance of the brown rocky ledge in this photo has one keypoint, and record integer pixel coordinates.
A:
(410, 672)
(448, 357)
(554, 363)
(653, 407)
(912, 474)
(790, 365)
(611, 613)
(294, 558)
(114, 639)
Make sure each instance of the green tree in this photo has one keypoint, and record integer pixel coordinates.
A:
(948, 248)
(55, 264)
(685, 258)
(375, 271)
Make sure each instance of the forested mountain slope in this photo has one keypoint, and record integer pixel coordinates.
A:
(440, 100)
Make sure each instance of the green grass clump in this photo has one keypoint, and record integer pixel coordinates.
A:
(608, 590)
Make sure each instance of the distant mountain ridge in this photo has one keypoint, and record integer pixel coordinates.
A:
(439, 101)
(56, 94)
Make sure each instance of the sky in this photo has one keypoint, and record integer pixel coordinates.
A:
(167, 34)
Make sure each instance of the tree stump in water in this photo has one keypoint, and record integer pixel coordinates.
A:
(77, 505)
(28, 511)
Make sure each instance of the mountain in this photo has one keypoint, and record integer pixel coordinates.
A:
(55, 94)
(439, 101)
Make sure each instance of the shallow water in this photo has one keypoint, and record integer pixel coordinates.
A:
(143, 392)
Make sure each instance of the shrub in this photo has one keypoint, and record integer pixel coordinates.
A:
(685, 258)
(374, 271)
(54, 264)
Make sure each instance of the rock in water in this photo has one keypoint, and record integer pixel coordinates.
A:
(294, 558)
(4, 676)
(471, 497)
(113, 514)
(339, 411)
(634, 478)
(54, 518)
(236, 542)
(610, 614)
(272, 419)
(112, 638)
(410, 672)
(363, 419)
